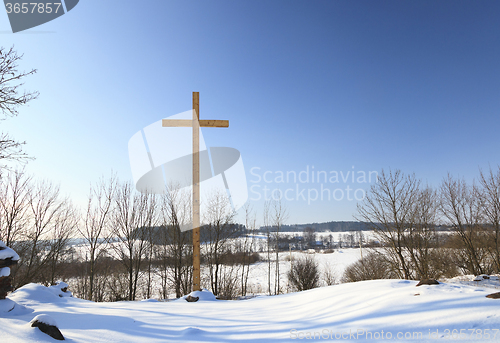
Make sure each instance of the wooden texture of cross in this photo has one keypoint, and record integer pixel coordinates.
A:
(196, 123)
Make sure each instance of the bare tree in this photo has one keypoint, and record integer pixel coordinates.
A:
(247, 247)
(490, 195)
(63, 227)
(421, 236)
(279, 216)
(11, 97)
(267, 227)
(149, 260)
(219, 229)
(310, 237)
(38, 224)
(95, 228)
(15, 190)
(161, 253)
(44, 208)
(175, 243)
(389, 209)
(461, 206)
(134, 214)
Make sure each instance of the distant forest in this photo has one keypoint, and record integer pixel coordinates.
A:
(239, 230)
(335, 227)
(324, 227)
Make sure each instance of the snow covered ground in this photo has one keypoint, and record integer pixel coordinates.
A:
(368, 311)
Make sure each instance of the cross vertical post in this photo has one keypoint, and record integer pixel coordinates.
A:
(195, 123)
(196, 191)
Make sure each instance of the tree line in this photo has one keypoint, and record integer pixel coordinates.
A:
(405, 216)
(124, 244)
(334, 226)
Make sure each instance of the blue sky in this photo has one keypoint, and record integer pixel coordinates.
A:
(331, 84)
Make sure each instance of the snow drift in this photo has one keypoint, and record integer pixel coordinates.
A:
(383, 307)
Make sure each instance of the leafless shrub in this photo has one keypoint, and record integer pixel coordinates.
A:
(328, 275)
(372, 267)
(443, 263)
(119, 289)
(304, 273)
(229, 286)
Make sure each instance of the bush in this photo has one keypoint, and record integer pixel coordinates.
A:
(374, 266)
(329, 277)
(228, 283)
(230, 258)
(304, 274)
(445, 263)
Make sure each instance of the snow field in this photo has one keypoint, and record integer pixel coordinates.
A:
(369, 307)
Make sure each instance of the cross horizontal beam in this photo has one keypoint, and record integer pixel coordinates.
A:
(189, 123)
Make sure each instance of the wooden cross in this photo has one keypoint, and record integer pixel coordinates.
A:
(196, 123)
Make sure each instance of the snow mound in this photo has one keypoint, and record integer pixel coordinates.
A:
(204, 295)
(481, 277)
(150, 301)
(486, 277)
(192, 332)
(43, 318)
(33, 292)
(61, 290)
(6, 305)
(6, 252)
(9, 307)
(475, 281)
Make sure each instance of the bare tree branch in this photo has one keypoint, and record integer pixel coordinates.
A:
(11, 98)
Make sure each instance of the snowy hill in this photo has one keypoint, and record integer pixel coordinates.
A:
(368, 311)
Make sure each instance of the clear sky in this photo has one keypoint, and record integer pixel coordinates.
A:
(340, 86)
